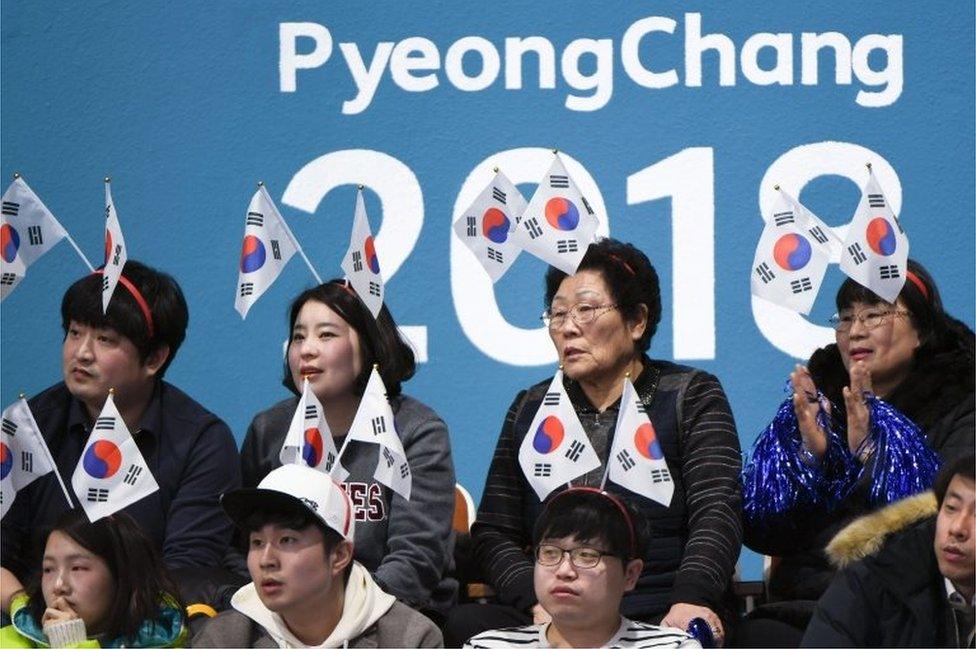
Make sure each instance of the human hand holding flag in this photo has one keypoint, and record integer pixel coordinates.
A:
(636, 460)
(487, 227)
(309, 440)
(876, 248)
(361, 264)
(111, 474)
(374, 424)
(556, 449)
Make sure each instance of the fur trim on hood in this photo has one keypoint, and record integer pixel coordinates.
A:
(865, 536)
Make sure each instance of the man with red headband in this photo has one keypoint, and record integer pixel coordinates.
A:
(588, 545)
(190, 451)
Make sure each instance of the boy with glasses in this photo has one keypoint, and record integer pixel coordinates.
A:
(587, 548)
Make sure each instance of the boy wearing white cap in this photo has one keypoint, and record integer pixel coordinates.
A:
(306, 590)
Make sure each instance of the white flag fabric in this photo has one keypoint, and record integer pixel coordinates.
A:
(115, 251)
(27, 231)
(558, 224)
(556, 449)
(361, 263)
(374, 424)
(636, 460)
(24, 456)
(792, 256)
(309, 440)
(875, 251)
(487, 227)
(268, 246)
(111, 474)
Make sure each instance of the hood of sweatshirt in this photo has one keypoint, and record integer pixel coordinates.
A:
(365, 603)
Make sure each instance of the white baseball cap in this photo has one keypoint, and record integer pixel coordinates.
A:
(295, 487)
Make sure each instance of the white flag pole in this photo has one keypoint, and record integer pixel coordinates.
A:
(291, 236)
(47, 452)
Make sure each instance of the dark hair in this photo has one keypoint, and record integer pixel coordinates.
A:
(82, 303)
(295, 518)
(133, 561)
(593, 516)
(381, 342)
(630, 277)
(964, 466)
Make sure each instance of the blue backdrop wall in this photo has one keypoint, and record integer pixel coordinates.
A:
(683, 115)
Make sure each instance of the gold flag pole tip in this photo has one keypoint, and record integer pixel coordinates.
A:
(776, 187)
(361, 187)
(21, 396)
(108, 179)
(260, 183)
(16, 175)
(376, 366)
(555, 151)
(561, 367)
(869, 166)
(111, 391)
(495, 169)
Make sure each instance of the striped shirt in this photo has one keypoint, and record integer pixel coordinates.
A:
(630, 635)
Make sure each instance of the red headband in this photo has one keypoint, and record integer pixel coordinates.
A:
(137, 296)
(919, 284)
(616, 501)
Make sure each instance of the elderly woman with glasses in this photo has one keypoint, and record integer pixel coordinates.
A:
(601, 320)
(913, 357)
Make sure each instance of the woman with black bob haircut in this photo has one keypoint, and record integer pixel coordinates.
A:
(334, 343)
(918, 361)
(101, 584)
(601, 320)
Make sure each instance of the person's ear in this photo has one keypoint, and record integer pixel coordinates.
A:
(156, 359)
(341, 557)
(631, 572)
(638, 324)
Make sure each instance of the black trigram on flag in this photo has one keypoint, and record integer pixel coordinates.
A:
(876, 200)
(8, 279)
(559, 182)
(357, 261)
(329, 461)
(276, 249)
(586, 204)
(532, 226)
(404, 470)
(495, 255)
(379, 425)
(764, 272)
(104, 284)
(118, 254)
(641, 408)
(567, 245)
(311, 411)
(801, 285)
(498, 195)
(132, 475)
(818, 234)
(10, 208)
(35, 236)
(782, 218)
(247, 288)
(551, 399)
(889, 272)
(97, 495)
(105, 423)
(389, 457)
(857, 254)
(374, 289)
(625, 460)
(254, 218)
(9, 427)
(542, 470)
(26, 461)
(575, 450)
(472, 226)
(660, 475)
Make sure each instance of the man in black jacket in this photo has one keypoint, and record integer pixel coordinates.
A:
(918, 590)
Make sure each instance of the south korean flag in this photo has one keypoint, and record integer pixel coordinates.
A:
(792, 256)
(24, 455)
(111, 474)
(309, 440)
(558, 224)
(488, 225)
(875, 251)
(636, 460)
(374, 424)
(115, 250)
(27, 231)
(556, 449)
(361, 263)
